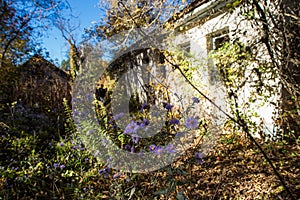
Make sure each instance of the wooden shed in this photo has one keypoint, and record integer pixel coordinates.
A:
(32, 95)
(43, 85)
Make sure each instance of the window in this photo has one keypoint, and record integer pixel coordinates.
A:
(185, 47)
(214, 41)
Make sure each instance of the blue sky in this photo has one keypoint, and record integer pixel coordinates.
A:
(87, 11)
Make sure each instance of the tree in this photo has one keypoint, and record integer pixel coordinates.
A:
(22, 23)
(127, 15)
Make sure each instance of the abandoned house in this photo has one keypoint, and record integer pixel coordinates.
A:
(200, 30)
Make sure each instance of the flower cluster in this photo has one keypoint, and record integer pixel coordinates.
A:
(56, 165)
(199, 157)
(133, 127)
(159, 150)
(156, 149)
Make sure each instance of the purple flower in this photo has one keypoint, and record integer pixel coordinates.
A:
(195, 100)
(55, 165)
(145, 123)
(114, 126)
(170, 148)
(174, 121)
(191, 123)
(199, 157)
(103, 171)
(158, 150)
(75, 113)
(96, 153)
(135, 138)
(89, 97)
(84, 113)
(76, 147)
(61, 144)
(132, 127)
(152, 147)
(144, 105)
(127, 147)
(167, 106)
(117, 175)
(117, 116)
(132, 149)
(62, 166)
(179, 134)
(92, 131)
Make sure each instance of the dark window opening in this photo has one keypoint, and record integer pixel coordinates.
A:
(185, 47)
(219, 41)
(214, 41)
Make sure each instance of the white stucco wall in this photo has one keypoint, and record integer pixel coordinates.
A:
(198, 48)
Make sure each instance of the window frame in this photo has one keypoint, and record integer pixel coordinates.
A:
(210, 47)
